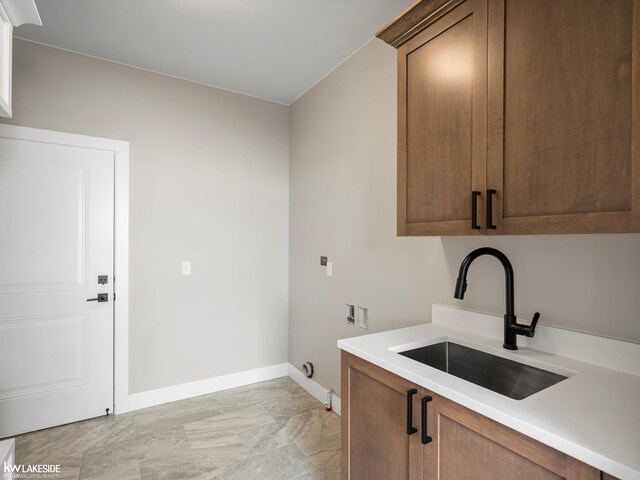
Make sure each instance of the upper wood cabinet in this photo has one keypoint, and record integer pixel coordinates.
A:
(442, 156)
(533, 104)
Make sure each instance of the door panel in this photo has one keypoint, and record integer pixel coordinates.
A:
(381, 413)
(490, 460)
(564, 110)
(468, 445)
(43, 196)
(58, 340)
(441, 124)
(375, 442)
(56, 349)
(439, 80)
(581, 76)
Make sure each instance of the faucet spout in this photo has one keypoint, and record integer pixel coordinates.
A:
(511, 327)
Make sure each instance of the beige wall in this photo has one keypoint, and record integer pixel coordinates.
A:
(342, 204)
(209, 183)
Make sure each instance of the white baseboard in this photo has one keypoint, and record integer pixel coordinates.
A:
(150, 398)
(336, 404)
(314, 388)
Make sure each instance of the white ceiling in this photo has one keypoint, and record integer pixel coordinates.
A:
(271, 49)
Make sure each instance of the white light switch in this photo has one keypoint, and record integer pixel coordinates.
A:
(329, 269)
(186, 267)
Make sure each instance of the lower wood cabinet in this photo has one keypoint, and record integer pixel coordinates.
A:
(386, 437)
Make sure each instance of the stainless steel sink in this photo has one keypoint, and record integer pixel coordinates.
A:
(512, 379)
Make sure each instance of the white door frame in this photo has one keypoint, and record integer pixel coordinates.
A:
(120, 151)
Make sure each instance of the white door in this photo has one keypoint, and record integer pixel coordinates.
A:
(56, 238)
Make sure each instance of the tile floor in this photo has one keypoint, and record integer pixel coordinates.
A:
(269, 430)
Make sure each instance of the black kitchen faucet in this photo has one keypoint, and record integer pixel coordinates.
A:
(511, 326)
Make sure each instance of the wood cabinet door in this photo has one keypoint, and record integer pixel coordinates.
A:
(468, 445)
(375, 441)
(564, 116)
(442, 124)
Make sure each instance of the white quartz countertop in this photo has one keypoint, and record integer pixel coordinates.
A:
(594, 415)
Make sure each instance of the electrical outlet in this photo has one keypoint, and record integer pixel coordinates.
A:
(363, 317)
(329, 269)
(349, 314)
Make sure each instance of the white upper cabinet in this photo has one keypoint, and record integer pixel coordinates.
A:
(13, 13)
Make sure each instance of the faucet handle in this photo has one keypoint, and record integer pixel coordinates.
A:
(526, 330)
(531, 331)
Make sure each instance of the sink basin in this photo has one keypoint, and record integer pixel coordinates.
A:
(506, 377)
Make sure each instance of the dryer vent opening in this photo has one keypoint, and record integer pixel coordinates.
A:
(307, 369)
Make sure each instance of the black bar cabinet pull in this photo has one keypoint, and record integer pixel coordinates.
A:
(474, 210)
(490, 194)
(410, 428)
(425, 438)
